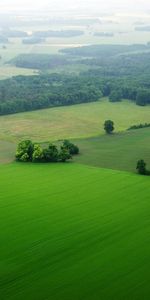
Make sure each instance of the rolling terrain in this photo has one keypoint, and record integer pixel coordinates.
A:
(119, 151)
(70, 231)
(78, 121)
(77, 230)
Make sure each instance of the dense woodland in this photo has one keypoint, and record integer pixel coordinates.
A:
(39, 61)
(25, 93)
(117, 72)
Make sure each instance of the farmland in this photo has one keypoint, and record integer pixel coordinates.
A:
(77, 229)
(119, 151)
(78, 121)
(64, 237)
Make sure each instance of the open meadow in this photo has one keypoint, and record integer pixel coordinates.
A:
(70, 231)
(77, 121)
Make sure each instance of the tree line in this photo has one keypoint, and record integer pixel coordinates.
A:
(27, 93)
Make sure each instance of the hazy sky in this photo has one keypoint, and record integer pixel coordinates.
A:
(101, 5)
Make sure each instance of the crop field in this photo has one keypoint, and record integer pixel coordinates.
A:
(78, 121)
(70, 231)
(119, 151)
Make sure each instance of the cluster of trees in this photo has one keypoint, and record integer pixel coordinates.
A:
(27, 151)
(135, 89)
(139, 126)
(141, 96)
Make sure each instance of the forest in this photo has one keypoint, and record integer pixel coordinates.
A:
(116, 72)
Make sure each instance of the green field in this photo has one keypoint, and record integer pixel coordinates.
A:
(73, 232)
(78, 230)
(118, 151)
(7, 152)
(78, 121)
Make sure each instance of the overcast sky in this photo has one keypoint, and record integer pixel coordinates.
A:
(101, 5)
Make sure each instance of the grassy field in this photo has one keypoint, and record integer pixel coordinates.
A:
(117, 151)
(78, 121)
(7, 152)
(73, 232)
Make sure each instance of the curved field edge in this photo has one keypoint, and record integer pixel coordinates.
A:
(70, 231)
(119, 151)
(78, 121)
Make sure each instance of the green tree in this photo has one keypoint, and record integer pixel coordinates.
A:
(141, 167)
(37, 155)
(109, 126)
(143, 97)
(51, 154)
(73, 149)
(115, 96)
(64, 154)
(24, 151)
